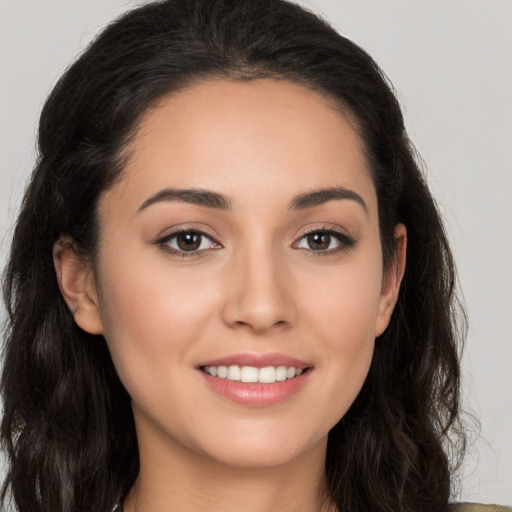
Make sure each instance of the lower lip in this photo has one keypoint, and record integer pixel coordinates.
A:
(255, 394)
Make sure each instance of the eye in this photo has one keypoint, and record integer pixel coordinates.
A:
(325, 240)
(187, 241)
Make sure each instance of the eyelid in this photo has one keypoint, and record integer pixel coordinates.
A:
(163, 241)
(325, 227)
(346, 241)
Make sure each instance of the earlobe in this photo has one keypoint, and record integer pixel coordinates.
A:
(77, 285)
(391, 280)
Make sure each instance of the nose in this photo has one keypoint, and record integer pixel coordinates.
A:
(259, 296)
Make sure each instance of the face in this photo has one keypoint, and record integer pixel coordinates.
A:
(242, 242)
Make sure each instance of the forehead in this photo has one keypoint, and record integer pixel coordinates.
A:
(263, 138)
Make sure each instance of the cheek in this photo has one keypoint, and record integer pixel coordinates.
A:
(344, 316)
(150, 315)
(347, 304)
(349, 337)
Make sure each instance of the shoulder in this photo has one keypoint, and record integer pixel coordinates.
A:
(476, 507)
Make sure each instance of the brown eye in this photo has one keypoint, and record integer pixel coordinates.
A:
(326, 241)
(319, 241)
(188, 241)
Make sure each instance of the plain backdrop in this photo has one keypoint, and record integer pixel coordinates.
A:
(450, 62)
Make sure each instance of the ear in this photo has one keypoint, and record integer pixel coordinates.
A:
(391, 280)
(77, 284)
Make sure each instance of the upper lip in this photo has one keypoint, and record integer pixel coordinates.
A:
(257, 360)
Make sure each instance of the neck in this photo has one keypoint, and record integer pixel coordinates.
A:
(178, 479)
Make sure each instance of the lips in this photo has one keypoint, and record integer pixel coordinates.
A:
(257, 360)
(256, 379)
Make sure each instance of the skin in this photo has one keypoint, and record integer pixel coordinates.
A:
(257, 286)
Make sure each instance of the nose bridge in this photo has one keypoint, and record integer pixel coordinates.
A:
(260, 296)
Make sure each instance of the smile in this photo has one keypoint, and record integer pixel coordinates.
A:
(265, 375)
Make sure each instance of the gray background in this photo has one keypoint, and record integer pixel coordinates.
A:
(450, 61)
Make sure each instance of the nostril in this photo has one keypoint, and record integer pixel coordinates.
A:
(257, 307)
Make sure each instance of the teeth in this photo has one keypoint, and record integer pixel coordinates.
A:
(266, 375)
(249, 374)
(281, 373)
(233, 372)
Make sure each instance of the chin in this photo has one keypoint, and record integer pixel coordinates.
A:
(264, 450)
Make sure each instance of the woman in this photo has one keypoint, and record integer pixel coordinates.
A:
(229, 286)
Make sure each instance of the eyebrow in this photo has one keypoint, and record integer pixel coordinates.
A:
(322, 196)
(191, 195)
(218, 201)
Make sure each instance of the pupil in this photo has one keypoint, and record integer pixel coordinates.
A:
(189, 241)
(319, 241)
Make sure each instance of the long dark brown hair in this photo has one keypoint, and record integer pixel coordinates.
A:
(68, 428)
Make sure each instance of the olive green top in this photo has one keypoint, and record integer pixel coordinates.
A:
(476, 507)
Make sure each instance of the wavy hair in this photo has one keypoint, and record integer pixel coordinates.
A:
(68, 428)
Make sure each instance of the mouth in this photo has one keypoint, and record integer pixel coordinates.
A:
(256, 380)
(253, 374)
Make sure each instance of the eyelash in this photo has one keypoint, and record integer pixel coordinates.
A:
(345, 242)
(164, 242)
